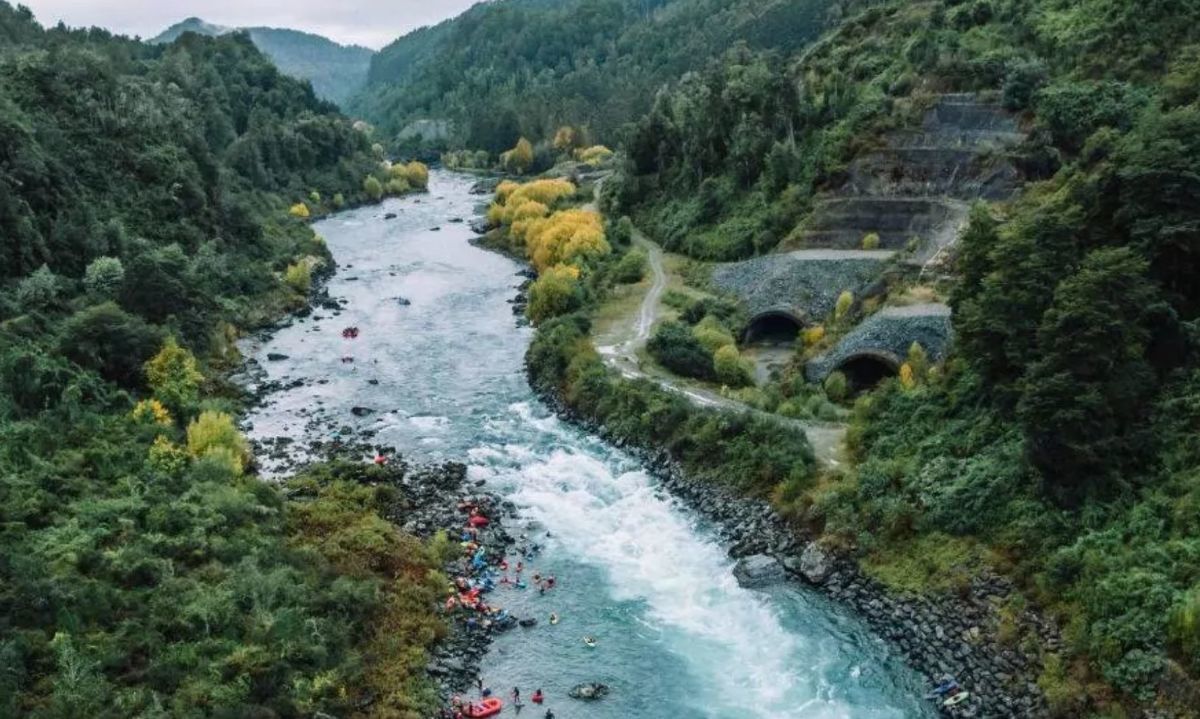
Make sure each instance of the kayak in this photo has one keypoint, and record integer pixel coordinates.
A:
(485, 708)
(956, 699)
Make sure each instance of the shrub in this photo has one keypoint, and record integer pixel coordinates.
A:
(594, 156)
(565, 138)
(397, 186)
(1184, 628)
(314, 197)
(555, 292)
(174, 377)
(151, 410)
(339, 201)
(299, 210)
(871, 241)
(417, 174)
(729, 367)
(813, 335)
(712, 334)
(111, 341)
(620, 233)
(677, 349)
(918, 360)
(298, 276)
(166, 457)
(844, 302)
(39, 290)
(373, 188)
(631, 268)
(519, 159)
(214, 433)
(837, 388)
(103, 277)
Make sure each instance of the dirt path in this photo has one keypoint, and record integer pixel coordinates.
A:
(649, 310)
(622, 355)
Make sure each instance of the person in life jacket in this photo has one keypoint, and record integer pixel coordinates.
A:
(538, 697)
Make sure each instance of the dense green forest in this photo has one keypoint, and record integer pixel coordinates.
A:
(1057, 444)
(151, 205)
(525, 67)
(336, 71)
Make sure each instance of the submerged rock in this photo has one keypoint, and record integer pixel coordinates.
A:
(589, 691)
(758, 570)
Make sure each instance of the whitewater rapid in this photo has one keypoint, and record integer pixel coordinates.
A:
(676, 635)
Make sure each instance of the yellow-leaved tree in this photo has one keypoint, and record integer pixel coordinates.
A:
(531, 200)
(214, 435)
(519, 159)
(555, 292)
(566, 139)
(566, 237)
(299, 210)
(417, 174)
(174, 377)
(595, 155)
(298, 276)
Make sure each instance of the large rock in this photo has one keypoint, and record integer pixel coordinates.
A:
(588, 692)
(757, 571)
(815, 563)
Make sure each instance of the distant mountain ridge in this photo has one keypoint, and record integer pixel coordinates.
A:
(336, 71)
(524, 67)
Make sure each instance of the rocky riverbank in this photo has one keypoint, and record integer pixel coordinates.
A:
(428, 500)
(961, 634)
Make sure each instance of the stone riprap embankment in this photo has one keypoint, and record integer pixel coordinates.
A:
(957, 633)
(886, 336)
(803, 285)
(914, 192)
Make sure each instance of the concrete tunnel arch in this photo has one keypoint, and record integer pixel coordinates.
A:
(776, 326)
(867, 368)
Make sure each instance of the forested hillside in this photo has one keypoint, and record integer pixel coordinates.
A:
(514, 67)
(1057, 444)
(336, 71)
(151, 205)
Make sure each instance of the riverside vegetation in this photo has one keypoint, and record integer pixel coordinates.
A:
(1056, 443)
(153, 200)
(144, 569)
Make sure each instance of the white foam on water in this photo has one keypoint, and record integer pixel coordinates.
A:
(730, 638)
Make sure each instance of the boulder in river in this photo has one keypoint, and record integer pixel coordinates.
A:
(757, 571)
(361, 411)
(276, 357)
(588, 691)
(815, 563)
(390, 216)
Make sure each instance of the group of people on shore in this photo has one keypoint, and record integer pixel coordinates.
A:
(482, 573)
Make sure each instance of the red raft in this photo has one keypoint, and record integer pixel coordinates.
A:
(485, 708)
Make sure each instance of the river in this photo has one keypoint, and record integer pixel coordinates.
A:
(442, 376)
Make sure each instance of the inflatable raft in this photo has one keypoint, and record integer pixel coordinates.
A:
(485, 708)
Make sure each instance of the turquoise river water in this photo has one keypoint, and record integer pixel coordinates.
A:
(677, 636)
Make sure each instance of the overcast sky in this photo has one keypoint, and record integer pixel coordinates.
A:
(373, 24)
